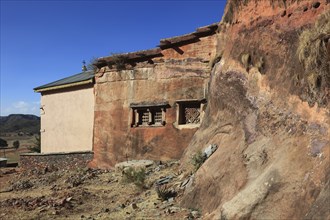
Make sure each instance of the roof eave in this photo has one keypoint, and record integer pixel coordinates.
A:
(69, 85)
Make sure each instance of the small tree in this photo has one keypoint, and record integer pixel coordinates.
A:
(37, 145)
(16, 144)
(3, 143)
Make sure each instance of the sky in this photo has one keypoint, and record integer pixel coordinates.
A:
(43, 41)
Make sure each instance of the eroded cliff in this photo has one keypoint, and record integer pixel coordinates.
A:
(268, 112)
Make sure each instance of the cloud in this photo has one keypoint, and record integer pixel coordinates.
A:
(22, 107)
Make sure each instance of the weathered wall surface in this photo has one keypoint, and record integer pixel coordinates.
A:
(203, 48)
(181, 73)
(67, 120)
(269, 119)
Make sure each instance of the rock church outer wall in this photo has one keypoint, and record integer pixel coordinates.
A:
(181, 73)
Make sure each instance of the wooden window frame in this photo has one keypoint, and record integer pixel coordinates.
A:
(181, 112)
(151, 110)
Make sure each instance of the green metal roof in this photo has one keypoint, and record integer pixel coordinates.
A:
(77, 79)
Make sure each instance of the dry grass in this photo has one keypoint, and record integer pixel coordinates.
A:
(312, 49)
(119, 61)
(246, 61)
(135, 176)
(314, 55)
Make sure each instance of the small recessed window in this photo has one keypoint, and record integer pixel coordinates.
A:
(189, 112)
(144, 115)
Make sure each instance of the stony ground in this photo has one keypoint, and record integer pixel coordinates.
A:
(92, 194)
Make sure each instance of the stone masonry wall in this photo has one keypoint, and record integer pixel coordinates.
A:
(55, 161)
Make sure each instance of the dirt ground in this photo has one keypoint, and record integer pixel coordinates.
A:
(12, 155)
(91, 194)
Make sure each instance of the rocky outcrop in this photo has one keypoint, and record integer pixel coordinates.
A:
(268, 112)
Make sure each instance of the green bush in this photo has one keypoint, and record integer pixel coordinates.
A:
(137, 177)
(198, 159)
(3, 143)
(37, 145)
(16, 144)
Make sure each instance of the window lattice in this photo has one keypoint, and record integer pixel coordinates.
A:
(148, 116)
(145, 117)
(158, 117)
(192, 116)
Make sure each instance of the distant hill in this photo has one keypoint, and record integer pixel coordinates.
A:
(20, 123)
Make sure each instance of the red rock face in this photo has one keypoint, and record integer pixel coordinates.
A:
(267, 117)
(181, 73)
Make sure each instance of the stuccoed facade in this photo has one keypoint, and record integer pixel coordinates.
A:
(67, 114)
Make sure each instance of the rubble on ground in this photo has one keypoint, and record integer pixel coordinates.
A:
(93, 194)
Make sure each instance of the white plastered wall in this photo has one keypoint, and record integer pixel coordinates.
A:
(67, 120)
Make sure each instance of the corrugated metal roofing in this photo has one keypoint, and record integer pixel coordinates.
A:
(80, 77)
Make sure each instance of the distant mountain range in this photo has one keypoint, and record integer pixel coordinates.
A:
(20, 123)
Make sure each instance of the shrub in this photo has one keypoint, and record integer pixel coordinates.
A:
(22, 185)
(137, 177)
(90, 65)
(198, 159)
(16, 144)
(37, 145)
(53, 177)
(119, 61)
(3, 143)
(312, 43)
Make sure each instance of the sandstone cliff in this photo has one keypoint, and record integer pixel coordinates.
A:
(268, 112)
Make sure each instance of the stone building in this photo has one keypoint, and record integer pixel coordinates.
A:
(140, 105)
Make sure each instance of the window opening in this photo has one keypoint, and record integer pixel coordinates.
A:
(192, 114)
(190, 111)
(148, 116)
